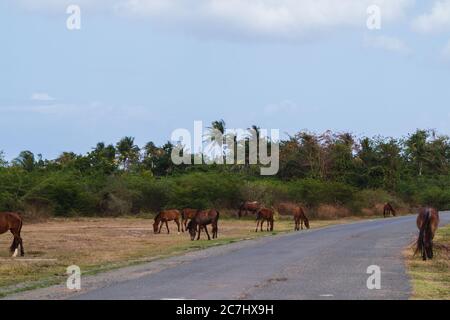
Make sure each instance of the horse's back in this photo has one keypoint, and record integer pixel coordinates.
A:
(206, 216)
(188, 213)
(171, 214)
(10, 220)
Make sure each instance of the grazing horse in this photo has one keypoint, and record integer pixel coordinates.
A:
(297, 211)
(13, 222)
(164, 217)
(388, 209)
(186, 215)
(247, 206)
(427, 223)
(201, 220)
(264, 214)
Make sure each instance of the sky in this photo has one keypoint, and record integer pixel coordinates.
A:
(144, 68)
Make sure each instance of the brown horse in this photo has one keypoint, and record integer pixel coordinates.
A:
(164, 217)
(13, 222)
(264, 214)
(297, 211)
(427, 223)
(247, 206)
(186, 215)
(201, 220)
(388, 209)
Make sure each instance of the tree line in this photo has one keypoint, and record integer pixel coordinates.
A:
(334, 168)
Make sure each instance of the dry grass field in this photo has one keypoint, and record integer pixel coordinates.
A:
(99, 244)
(431, 279)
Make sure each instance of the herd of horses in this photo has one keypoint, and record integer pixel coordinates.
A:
(194, 221)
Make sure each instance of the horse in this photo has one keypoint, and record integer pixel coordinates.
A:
(248, 206)
(201, 220)
(264, 214)
(186, 215)
(427, 223)
(13, 222)
(165, 216)
(388, 209)
(297, 211)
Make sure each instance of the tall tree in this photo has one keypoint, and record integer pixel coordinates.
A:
(128, 152)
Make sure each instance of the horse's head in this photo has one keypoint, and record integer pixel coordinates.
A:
(192, 228)
(307, 223)
(156, 224)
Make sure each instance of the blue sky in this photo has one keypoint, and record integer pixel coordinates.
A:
(146, 67)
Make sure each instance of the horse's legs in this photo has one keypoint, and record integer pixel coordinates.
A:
(301, 224)
(167, 227)
(262, 224)
(257, 224)
(215, 229)
(160, 226)
(22, 251)
(14, 248)
(178, 225)
(206, 230)
(267, 225)
(199, 230)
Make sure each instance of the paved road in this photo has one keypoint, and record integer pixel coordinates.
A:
(330, 263)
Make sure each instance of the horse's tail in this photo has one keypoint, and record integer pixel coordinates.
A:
(424, 228)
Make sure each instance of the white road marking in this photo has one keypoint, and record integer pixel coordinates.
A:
(327, 295)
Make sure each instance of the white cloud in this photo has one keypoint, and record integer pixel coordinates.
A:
(437, 20)
(287, 19)
(386, 43)
(41, 96)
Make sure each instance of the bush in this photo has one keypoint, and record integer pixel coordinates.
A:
(205, 190)
(435, 197)
(313, 192)
(65, 193)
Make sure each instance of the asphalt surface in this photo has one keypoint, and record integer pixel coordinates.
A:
(329, 263)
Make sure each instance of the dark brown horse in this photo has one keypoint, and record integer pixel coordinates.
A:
(186, 215)
(13, 222)
(247, 207)
(427, 223)
(388, 209)
(164, 217)
(201, 220)
(286, 208)
(264, 214)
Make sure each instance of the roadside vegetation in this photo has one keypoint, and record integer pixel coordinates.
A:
(332, 174)
(431, 279)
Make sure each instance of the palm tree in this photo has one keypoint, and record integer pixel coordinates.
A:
(416, 149)
(216, 127)
(127, 151)
(25, 160)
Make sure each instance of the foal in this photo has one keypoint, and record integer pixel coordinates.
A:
(427, 223)
(288, 208)
(13, 222)
(164, 217)
(264, 214)
(201, 220)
